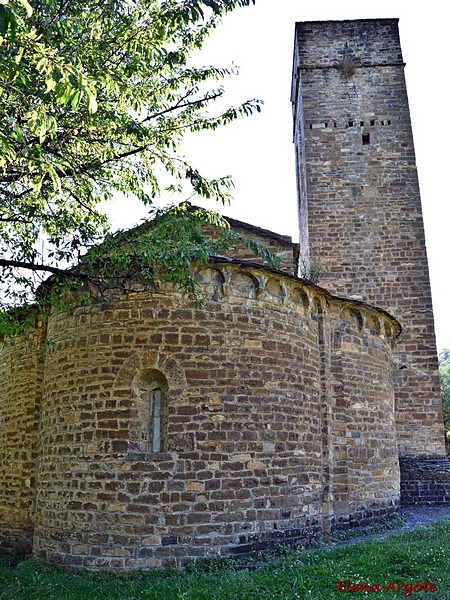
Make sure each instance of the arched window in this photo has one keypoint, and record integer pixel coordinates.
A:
(156, 420)
(154, 390)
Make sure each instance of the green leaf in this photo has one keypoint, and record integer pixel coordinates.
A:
(76, 99)
(51, 84)
(27, 7)
(93, 106)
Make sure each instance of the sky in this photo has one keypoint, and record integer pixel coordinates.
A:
(258, 151)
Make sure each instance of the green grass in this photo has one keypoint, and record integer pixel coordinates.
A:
(413, 557)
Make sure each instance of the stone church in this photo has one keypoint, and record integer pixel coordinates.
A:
(151, 431)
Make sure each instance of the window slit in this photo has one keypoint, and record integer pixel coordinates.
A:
(156, 400)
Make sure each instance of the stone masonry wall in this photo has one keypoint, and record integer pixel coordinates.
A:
(21, 372)
(363, 442)
(279, 245)
(425, 481)
(359, 200)
(252, 452)
(359, 412)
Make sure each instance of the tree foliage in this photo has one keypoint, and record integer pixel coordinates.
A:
(95, 97)
(444, 373)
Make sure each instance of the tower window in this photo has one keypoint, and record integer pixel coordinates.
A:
(372, 122)
(350, 123)
(366, 139)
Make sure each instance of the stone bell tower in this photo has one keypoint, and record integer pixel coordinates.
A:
(359, 201)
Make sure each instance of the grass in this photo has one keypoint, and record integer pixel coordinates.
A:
(407, 557)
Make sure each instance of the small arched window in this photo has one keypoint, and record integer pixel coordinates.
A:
(156, 420)
(154, 390)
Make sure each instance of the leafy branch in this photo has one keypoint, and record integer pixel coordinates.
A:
(96, 98)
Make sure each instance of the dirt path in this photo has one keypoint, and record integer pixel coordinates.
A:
(424, 515)
(414, 516)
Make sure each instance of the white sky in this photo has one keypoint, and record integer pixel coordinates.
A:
(258, 151)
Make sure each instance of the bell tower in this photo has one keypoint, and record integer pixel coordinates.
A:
(359, 201)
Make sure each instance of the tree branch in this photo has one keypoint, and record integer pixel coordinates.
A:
(177, 106)
(18, 264)
(13, 219)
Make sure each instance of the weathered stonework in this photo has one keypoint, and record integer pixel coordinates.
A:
(359, 200)
(145, 430)
(279, 245)
(278, 405)
(21, 372)
(425, 481)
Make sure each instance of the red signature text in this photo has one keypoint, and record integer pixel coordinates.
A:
(406, 588)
